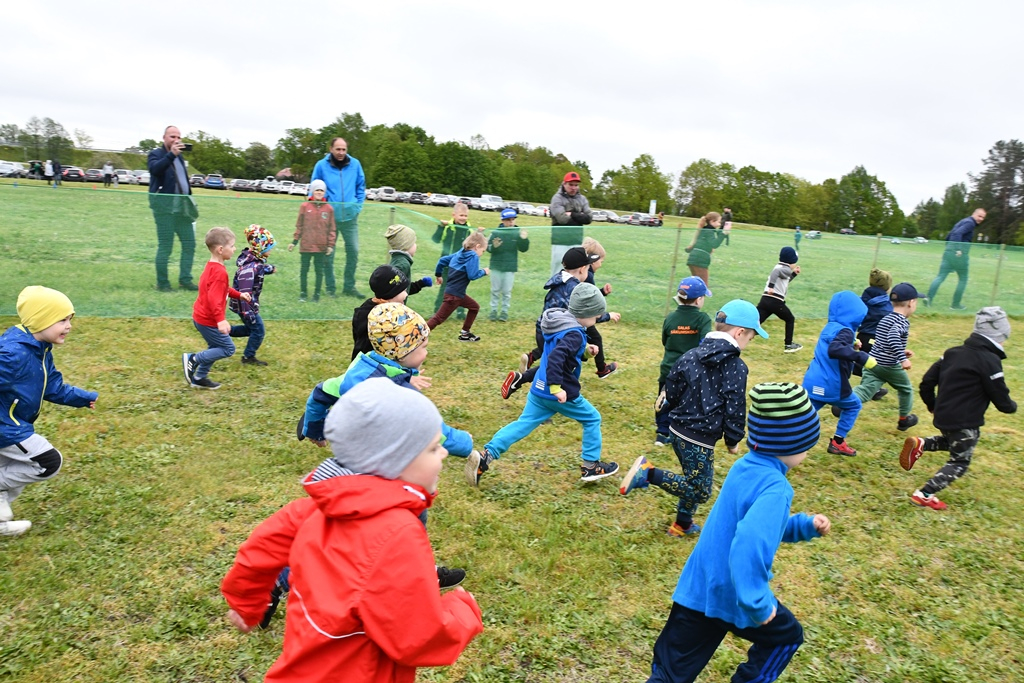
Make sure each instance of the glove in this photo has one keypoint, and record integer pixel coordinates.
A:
(427, 281)
(581, 217)
(660, 402)
(871, 363)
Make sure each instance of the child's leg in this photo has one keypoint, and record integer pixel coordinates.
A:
(686, 644)
(507, 281)
(870, 383)
(257, 331)
(495, 292)
(446, 309)
(220, 344)
(900, 381)
(774, 645)
(305, 257)
(472, 308)
(850, 406)
(581, 410)
(594, 337)
(787, 317)
(320, 272)
(30, 461)
(662, 421)
(440, 292)
(534, 413)
(960, 443)
(700, 272)
(765, 308)
(693, 485)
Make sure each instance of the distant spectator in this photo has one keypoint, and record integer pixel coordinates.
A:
(57, 169)
(570, 211)
(108, 174)
(48, 171)
(174, 210)
(346, 191)
(955, 258)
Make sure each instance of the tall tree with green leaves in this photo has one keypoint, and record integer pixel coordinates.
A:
(999, 189)
(210, 154)
(926, 216)
(954, 207)
(864, 199)
(258, 160)
(703, 187)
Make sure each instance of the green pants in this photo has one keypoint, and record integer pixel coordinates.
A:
(893, 375)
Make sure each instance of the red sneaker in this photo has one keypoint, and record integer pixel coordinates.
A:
(913, 446)
(511, 384)
(840, 448)
(926, 501)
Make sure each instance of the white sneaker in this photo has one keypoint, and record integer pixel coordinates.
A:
(6, 514)
(15, 528)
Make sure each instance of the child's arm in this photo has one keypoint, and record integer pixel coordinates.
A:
(735, 401)
(523, 245)
(65, 394)
(676, 385)
(456, 441)
(474, 270)
(418, 285)
(842, 348)
(261, 558)
(438, 233)
(566, 349)
(317, 406)
(757, 538)
(803, 527)
(998, 392)
(442, 263)
(245, 278)
(928, 385)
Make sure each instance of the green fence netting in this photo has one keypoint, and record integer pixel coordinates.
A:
(98, 246)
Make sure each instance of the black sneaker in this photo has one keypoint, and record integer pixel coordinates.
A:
(253, 360)
(353, 292)
(188, 366)
(608, 371)
(299, 427)
(465, 336)
(960, 307)
(792, 348)
(512, 382)
(907, 422)
(188, 287)
(880, 394)
(450, 578)
(597, 470)
(205, 383)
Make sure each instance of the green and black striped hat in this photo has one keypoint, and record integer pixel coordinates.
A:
(781, 420)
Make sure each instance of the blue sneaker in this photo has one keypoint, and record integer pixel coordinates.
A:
(676, 531)
(662, 439)
(636, 477)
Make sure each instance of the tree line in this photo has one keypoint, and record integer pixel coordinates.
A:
(406, 157)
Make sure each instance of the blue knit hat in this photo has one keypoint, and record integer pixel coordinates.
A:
(781, 420)
(788, 255)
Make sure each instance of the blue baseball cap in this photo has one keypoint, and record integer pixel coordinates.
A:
(741, 314)
(508, 213)
(691, 288)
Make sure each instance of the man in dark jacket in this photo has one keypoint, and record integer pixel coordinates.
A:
(173, 208)
(955, 258)
(570, 211)
(968, 378)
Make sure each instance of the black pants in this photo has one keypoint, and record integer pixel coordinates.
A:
(690, 638)
(769, 305)
(865, 340)
(960, 443)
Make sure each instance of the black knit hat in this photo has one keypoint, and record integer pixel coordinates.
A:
(387, 282)
(781, 420)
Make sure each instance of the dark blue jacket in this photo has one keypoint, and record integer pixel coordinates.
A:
(565, 346)
(706, 392)
(249, 278)
(961, 236)
(463, 266)
(27, 378)
(828, 377)
(163, 179)
(877, 301)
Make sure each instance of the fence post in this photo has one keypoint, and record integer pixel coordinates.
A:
(999, 265)
(878, 244)
(672, 278)
(391, 216)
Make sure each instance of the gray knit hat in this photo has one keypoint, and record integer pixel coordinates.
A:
(317, 185)
(400, 237)
(378, 427)
(586, 301)
(992, 322)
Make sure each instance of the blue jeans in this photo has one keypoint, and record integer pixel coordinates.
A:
(850, 406)
(537, 410)
(349, 232)
(220, 345)
(951, 263)
(255, 332)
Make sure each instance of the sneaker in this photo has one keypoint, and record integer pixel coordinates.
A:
(961, 307)
(840, 448)
(836, 411)
(493, 317)
(676, 531)
(302, 298)
(253, 360)
(164, 288)
(466, 336)
(316, 297)
(188, 287)
(662, 440)
(351, 292)
(503, 318)
(917, 498)
(188, 366)
(300, 427)
(907, 422)
(511, 384)
(790, 348)
(597, 471)
(913, 447)
(636, 477)
(450, 578)
(482, 459)
(608, 370)
(6, 514)
(205, 383)
(880, 394)
(525, 361)
(16, 528)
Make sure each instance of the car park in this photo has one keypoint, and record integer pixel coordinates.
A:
(285, 186)
(387, 194)
(464, 200)
(813, 234)
(142, 176)
(598, 215)
(125, 176)
(196, 180)
(438, 199)
(644, 219)
(524, 209)
(8, 169)
(270, 185)
(611, 216)
(73, 174)
(541, 210)
(240, 185)
(93, 175)
(215, 181)
(417, 198)
(492, 202)
(920, 240)
(847, 231)
(301, 189)
(402, 196)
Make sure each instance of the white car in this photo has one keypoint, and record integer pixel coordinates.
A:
(539, 211)
(141, 177)
(269, 186)
(920, 240)
(387, 194)
(300, 189)
(437, 199)
(525, 209)
(285, 186)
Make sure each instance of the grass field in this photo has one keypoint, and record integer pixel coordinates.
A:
(118, 579)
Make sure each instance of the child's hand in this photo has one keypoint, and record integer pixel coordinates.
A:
(909, 353)
(561, 396)
(796, 269)
(607, 289)
(659, 402)
(319, 443)
(330, 250)
(419, 382)
(92, 405)
(487, 271)
(735, 449)
(246, 296)
(495, 242)
(237, 621)
(771, 616)
(592, 350)
(523, 234)
(614, 317)
(224, 327)
(906, 365)
(440, 280)
(291, 247)
(822, 524)
(857, 345)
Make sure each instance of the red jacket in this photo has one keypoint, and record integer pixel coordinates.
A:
(364, 602)
(315, 227)
(211, 304)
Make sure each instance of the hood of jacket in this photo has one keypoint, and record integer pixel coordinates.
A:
(558, 279)
(555, 320)
(713, 351)
(983, 343)
(361, 495)
(847, 309)
(247, 257)
(462, 259)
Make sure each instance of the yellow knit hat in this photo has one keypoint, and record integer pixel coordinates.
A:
(40, 307)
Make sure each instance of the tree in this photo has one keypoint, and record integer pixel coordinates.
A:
(702, 187)
(299, 150)
(258, 160)
(634, 186)
(999, 189)
(57, 142)
(401, 163)
(478, 142)
(83, 139)
(926, 216)
(148, 145)
(864, 199)
(953, 207)
(210, 154)
(811, 203)
(9, 134)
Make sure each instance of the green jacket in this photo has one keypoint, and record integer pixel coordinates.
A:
(708, 239)
(451, 236)
(402, 261)
(682, 331)
(506, 257)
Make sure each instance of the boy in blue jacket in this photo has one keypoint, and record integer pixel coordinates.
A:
(556, 388)
(827, 379)
(27, 378)
(462, 268)
(252, 268)
(724, 586)
(705, 396)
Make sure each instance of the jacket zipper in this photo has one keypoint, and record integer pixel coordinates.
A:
(13, 406)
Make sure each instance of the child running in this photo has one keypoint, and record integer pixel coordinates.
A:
(705, 394)
(773, 301)
(968, 378)
(401, 248)
(252, 268)
(876, 298)
(450, 235)
(455, 272)
(603, 368)
(388, 284)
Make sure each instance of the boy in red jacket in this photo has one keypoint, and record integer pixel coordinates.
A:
(209, 311)
(369, 607)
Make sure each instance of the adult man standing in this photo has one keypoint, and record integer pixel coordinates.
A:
(570, 211)
(174, 210)
(108, 174)
(955, 258)
(346, 191)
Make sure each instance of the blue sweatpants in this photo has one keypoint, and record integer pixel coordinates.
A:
(537, 410)
(690, 639)
(850, 406)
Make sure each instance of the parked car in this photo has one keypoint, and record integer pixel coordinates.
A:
(611, 216)
(525, 209)
(492, 201)
(196, 180)
(270, 185)
(402, 196)
(920, 240)
(73, 173)
(371, 194)
(644, 219)
(387, 194)
(598, 215)
(93, 175)
(301, 189)
(8, 170)
(125, 176)
(215, 181)
(464, 200)
(417, 198)
(285, 186)
(142, 176)
(438, 199)
(35, 169)
(813, 235)
(895, 240)
(541, 210)
(847, 231)
(240, 185)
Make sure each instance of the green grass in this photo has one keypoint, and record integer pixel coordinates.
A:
(118, 579)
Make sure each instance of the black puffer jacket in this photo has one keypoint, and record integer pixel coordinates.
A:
(968, 378)
(706, 393)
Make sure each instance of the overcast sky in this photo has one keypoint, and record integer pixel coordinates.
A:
(916, 92)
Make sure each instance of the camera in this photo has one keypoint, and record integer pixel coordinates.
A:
(186, 147)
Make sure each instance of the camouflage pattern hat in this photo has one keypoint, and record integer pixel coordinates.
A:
(396, 330)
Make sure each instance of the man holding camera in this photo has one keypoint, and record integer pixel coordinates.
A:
(174, 210)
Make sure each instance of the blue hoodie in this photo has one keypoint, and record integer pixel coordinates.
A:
(727, 575)
(828, 377)
(565, 347)
(346, 185)
(463, 266)
(879, 305)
